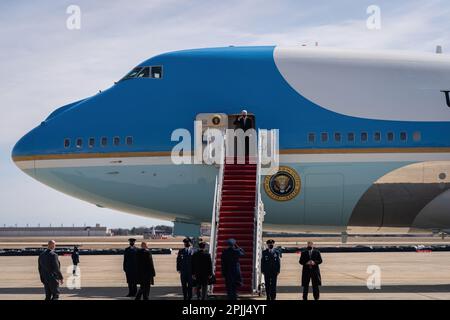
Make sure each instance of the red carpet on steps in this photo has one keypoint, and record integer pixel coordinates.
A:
(236, 220)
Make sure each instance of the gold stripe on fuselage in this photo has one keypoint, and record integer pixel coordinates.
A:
(282, 152)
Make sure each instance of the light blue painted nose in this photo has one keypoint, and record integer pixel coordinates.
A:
(23, 151)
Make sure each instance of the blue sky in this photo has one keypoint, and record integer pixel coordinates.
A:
(44, 65)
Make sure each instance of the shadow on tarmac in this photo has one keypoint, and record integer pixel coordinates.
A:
(174, 293)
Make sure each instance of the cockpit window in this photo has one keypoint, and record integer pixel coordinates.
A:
(154, 72)
(133, 73)
(144, 73)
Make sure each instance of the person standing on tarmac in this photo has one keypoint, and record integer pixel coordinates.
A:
(75, 259)
(270, 267)
(50, 271)
(145, 271)
(202, 270)
(231, 268)
(184, 268)
(310, 259)
(130, 267)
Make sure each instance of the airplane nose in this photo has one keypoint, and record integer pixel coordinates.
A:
(23, 151)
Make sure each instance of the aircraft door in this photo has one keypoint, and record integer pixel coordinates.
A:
(211, 121)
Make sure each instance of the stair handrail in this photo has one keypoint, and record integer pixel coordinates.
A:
(258, 220)
(216, 209)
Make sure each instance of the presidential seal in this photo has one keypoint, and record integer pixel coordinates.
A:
(285, 185)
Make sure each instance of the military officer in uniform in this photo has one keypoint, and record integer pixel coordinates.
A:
(130, 267)
(184, 268)
(231, 268)
(270, 267)
(310, 260)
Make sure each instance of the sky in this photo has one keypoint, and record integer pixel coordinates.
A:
(44, 64)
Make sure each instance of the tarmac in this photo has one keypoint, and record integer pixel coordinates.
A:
(403, 276)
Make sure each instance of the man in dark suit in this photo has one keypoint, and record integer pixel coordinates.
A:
(270, 267)
(201, 270)
(184, 268)
(145, 271)
(243, 121)
(231, 268)
(130, 267)
(50, 271)
(310, 259)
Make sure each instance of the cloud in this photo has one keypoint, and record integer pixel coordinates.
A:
(43, 65)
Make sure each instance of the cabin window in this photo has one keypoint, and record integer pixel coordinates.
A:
(403, 136)
(324, 137)
(116, 141)
(377, 136)
(417, 136)
(129, 141)
(104, 141)
(79, 143)
(157, 72)
(144, 73)
(311, 137)
(337, 137)
(390, 136)
(91, 142)
(351, 137)
(66, 143)
(364, 136)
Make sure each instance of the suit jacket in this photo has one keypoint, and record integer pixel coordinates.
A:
(244, 125)
(311, 272)
(145, 267)
(49, 267)
(231, 268)
(202, 266)
(270, 262)
(184, 261)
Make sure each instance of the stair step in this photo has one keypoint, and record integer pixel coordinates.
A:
(228, 231)
(239, 178)
(239, 170)
(227, 219)
(238, 186)
(241, 195)
(238, 203)
(240, 208)
(239, 213)
(242, 192)
(234, 186)
(236, 224)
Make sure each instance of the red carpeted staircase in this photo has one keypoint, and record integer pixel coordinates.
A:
(237, 220)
